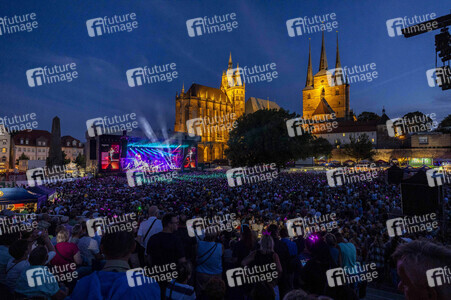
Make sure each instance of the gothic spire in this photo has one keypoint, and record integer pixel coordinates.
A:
(323, 60)
(309, 81)
(338, 70)
(230, 61)
(183, 87)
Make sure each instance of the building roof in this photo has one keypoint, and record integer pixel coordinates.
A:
(253, 104)
(37, 134)
(68, 138)
(202, 91)
(352, 126)
(323, 108)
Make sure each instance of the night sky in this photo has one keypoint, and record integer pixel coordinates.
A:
(161, 37)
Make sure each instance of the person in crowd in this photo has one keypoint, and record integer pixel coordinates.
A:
(178, 289)
(215, 289)
(88, 246)
(19, 250)
(149, 227)
(377, 255)
(297, 294)
(166, 247)
(266, 256)
(208, 260)
(283, 253)
(347, 250)
(66, 253)
(77, 232)
(188, 242)
(245, 245)
(263, 291)
(334, 250)
(6, 240)
(45, 284)
(414, 262)
(112, 282)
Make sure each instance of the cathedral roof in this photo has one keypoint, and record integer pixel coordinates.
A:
(323, 108)
(253, 104)
(202, 91)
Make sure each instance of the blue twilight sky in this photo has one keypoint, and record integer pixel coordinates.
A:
(101, 88)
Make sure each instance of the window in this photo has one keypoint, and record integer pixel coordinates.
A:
(337, 92)
(3, 150)
(422, 140)
(21, 141)
(4, 142)
(26, 141)
(68, 144)
(3, 158)
(74, 143)
(308, 97)
(372, 140)
(344, 134)
(43, 143)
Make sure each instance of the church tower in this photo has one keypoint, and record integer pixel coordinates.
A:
(211, 104)
(232, 84)
(325, 92)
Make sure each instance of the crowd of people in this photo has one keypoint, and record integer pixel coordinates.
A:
(66, 243)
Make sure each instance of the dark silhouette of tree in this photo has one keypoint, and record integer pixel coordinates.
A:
(262, 137)
(360, 148)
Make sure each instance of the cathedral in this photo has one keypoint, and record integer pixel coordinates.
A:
(205, 102)
(325, 93)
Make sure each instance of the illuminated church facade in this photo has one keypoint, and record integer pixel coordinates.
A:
(325, 93)
(214, 104)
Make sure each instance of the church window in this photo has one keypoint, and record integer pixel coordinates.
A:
(309, 97)
(337, 92)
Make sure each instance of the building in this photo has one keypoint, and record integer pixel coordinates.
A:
(431, 140)
(214, 105)
(325, 93)
(72, 147)
(253, 104)
(5, 139)
(35, 145)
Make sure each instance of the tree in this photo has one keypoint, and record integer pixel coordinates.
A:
(445, 124)
(262, 137)
(23, 156)
(368, 116)
(66, 160)
(80, 161)
(417, 122)
(360, 148)
(321, 147)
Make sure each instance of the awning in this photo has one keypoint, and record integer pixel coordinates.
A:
(18, 195)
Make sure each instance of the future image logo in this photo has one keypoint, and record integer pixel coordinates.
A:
(440, 76)
(111, 125)
(104, 225)
(438, 276)
(438, 177)
(344, 276)
(150, 75)
(254, 274)
(109, 25)
(410, 24)
(195, 227)
(313, 24)
(194, 127)
(209, 25)
(51, 75)
(411, 224)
